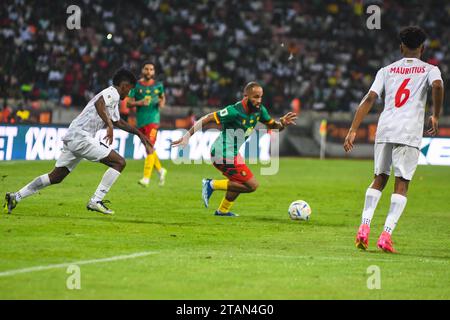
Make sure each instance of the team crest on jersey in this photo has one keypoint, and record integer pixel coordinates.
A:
(243, 173)
(147, 91)
(140, 91)
(156, 91)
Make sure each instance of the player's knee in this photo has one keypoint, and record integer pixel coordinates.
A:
(55, 179)
(252, 186)
(58, 175)
(380, 181)
(401, 186)
(121, 164)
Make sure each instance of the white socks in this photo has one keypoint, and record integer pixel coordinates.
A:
(398, 203)
(33, 187)
(370, 204)
(108, 180)
(43, 181)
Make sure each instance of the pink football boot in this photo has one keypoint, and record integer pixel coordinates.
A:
(362, 238)
(385, 243)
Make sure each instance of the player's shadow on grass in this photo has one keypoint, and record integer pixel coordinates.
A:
(380, 253)
(114, 219)
(303, 223)
(441, 258)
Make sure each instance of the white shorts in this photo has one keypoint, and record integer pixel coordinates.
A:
(401, 157)
(80, 147)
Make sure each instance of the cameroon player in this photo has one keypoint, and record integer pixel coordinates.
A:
(237, 122)
(148, 96)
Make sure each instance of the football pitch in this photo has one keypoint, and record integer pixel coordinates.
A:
(163, 244)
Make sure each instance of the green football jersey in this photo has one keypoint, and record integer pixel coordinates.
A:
(151, 92)
(238, 124)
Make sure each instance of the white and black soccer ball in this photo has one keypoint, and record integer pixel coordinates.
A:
(299, 210)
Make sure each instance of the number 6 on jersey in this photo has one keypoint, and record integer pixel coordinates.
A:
(402, 91)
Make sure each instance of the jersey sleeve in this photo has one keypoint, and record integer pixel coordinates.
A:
(132, 93)
(265, 116)
(433, 75)
(161, 89)
(111, 98)
(378, 83)
(226, 115)
(115, 114)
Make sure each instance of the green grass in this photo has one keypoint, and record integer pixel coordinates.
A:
(259, 255)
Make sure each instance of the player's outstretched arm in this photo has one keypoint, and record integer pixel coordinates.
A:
(100, 106)
(286, 120)
(437, 93)
(196, 127)
(162, 101)
(131, 102)
(121, 124)
(363, 109)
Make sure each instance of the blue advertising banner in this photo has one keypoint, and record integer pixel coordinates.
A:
(435, 151)
(28, 142)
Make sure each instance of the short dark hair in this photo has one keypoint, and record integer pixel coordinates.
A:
(146, 63)
(124, 75)
(249, 87)
(412, 37)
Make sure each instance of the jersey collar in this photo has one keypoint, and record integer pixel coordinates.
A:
(245, 105)
(147, 83)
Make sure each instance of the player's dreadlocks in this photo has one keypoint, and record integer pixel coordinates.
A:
(124, 75)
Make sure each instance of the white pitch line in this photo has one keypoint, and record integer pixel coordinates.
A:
(82, 262)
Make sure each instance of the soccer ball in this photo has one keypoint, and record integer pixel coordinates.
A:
(299, 210)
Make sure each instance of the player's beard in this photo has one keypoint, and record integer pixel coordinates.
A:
(251, 106)
(148, 78)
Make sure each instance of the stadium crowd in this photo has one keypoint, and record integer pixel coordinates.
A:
(318, 53)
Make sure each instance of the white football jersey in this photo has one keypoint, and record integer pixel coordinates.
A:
(88, 121)
(405, 83)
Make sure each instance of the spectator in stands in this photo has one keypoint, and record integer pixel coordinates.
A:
(6, 114)
(22, 114)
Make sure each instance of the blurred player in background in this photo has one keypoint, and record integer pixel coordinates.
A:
(400, 129)
(80, 143)
(238, 122)
(148, 96)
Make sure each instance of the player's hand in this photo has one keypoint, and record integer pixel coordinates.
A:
(349, 139)
(434, 126)
(181, 142)
(141, 103)
(288, 119)
(109, 138)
